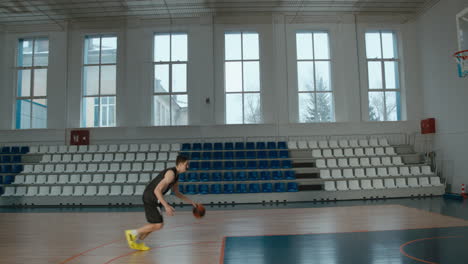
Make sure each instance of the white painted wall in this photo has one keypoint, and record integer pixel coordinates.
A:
(205, 78)
(445, 94)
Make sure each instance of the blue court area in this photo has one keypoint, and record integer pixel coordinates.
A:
(438, 245)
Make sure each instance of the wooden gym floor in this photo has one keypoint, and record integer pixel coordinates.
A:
(392, 231)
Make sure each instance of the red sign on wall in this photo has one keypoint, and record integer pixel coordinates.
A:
(428, 126)
(79, 137)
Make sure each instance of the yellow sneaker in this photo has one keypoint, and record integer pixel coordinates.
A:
(141, 246)
(130, 239)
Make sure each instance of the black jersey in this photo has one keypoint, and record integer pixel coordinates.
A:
(148, 194)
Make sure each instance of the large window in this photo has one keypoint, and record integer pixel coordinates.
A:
(383, 76)
(31, 89)
(315, 96)
(170, 106)
(99, 81)
(242, 78)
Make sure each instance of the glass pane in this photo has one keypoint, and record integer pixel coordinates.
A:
(40, 82)
(324, 107)
(250, 46)
(90, 112)
(306, 107)
(91, 54)
(252, 108)
(391, 75)
(179, 77)
(232, 43)
(321, 50)
(252, 76)
(41, 52)
(109, 50)
(389, 45)
(162, 110)
(233, 108)
(179, 47)
(304, 46)
(25, 52)
(107, 111)
(24, 83)
(39, 113)
(392, 101)
(108, 76)
(179, 110)
(305, 76)
(23, 114)
(91, 80)
(375, 74)
(373, 45)
(161, 47)
(233, 76)
(376, 106)
(161, 78)
(322, 75)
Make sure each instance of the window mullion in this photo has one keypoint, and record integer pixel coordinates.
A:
(170, 79)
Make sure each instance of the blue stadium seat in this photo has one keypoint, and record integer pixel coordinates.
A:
(6, 159)
(239, 145)
(251, 164)
(228, 165)
(185, 154)
(250, 145)
(191, 189)
(228, 155)
(182, 177)
(15, 150)
(206, 165)
(229, 188)
(260, 145)
(228, 176)
(6, 150)
(272, 154)
(218, 146)
(241, 188)
(284, 154)
(203, 189)
(277, 175)
(251, 154)
(261, 154)
(193, 177)
(271, 145)
(218, 165)
(241, 176)
(267, 187)
(197, 146)
(286, 164)
(6, 169)
(186, 146)
(216, 176)
(240, 155)
(293, 187)
(195, 155)
(282, 145)
(1, 179)
(275, 164)
(218, 155)
(8, 179)
(253, 176)
(2, 191)
(194, 165)
(265, 175)
(263, 164)
(204, 177)
(206, 155)
(181, 188)
(207, 146)
(16, 159)
(24, 150)
(254, 188)
(228, 146)
(240, 165)
(290, 175)
(216, 188)
(280, 187)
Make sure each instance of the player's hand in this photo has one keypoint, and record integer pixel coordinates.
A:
(169, 210)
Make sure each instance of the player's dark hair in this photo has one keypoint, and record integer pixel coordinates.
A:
(181, 159)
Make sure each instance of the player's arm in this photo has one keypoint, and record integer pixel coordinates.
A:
(162, 185)
(175, 190)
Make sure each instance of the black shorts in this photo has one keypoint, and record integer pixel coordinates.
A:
(153, 212)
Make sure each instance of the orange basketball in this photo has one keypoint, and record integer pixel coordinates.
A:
(198, 211)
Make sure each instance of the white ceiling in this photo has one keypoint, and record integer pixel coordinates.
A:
(39, 11)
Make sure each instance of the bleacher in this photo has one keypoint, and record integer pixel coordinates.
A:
(219, 172)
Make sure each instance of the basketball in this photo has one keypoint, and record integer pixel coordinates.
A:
(198, 211)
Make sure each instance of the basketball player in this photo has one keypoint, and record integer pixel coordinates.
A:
(153, 200)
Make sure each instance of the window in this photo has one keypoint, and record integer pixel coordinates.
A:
(99, 81)
(242, 78)
(315, 96)
(383, 76)
(170, 98)
(31, 89)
